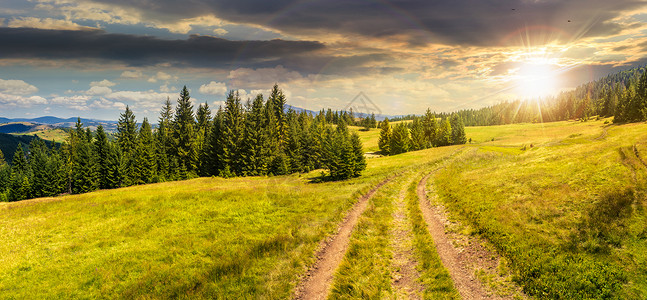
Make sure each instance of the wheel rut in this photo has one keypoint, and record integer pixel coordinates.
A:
(467, 259)
(316, 284)
(405, 276)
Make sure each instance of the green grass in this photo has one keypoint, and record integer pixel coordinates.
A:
(560, 211)
(233, 238)
(433, 275)
(55, 135)
(365, 272)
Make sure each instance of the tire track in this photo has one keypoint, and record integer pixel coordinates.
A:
(462, 263)
(316, 283)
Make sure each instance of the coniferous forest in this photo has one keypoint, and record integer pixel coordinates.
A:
(257, 137)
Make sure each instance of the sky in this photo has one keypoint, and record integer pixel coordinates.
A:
(91, 58)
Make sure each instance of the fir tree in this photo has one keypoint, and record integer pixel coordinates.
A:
(255, 162)
(184, 133)
(458, 130)
(385, 137)
(444, 136)
(164, 142)
(417, 135)
(233, 133)
(400, 140)
(127, 139)
(358, 151)
(430, 126)
(145, 155)
(102, 149)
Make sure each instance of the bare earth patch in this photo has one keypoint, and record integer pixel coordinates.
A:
(473, 267)
(316, 283)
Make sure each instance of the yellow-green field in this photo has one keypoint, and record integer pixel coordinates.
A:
(55, 135)
(563, 202)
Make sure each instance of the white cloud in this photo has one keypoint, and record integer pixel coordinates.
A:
(98, 90)
(213, 88)
(166, 89)
(132, 74)
(17, 87)
(22, 101)
(103, 83)
(143, 99)
(107, 104)
(78, 102)
(162, 77)
(220, 31)
(46, 23)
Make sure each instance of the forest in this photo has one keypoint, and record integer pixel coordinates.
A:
(257, 137)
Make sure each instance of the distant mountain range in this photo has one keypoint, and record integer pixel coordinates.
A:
(52, 121)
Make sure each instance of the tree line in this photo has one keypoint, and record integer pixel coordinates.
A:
(621, 95)
(422, 133)
(255, 138)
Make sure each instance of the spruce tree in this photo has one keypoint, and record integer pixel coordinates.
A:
(127, 139)
(358, 151)
(255, 162)
(278, 101)
(400, 140)
(214, 148)
(164, 142)
(417, 135)
(145, 154)
(458, 130)
(444, 136)
(184, 133)
(233, 133)
(430, 126)
(203, 117)
(102, 149)
(384, 142)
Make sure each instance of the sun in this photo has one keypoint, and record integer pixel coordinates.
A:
(536, 80)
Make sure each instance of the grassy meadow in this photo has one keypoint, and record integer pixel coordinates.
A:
(564, 202)
(201, 238)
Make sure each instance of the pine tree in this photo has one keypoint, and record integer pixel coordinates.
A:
(278, 101)
(401, 139)
(430, 126)
(444, 136)
(102, 149)
(145, 154)
(203, 117)
(84, 177)
(255, 162)
(184, 133)
(38, 159)
(126, 139)
(214, 147)
(385, 137)
(233, 133)
(417, 135)
(358, 151)
(458, 130)
(164, 143)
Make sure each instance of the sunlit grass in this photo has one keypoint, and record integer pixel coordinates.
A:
(534, 204)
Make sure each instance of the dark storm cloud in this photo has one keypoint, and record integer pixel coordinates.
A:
(145, 50)
(468, 22)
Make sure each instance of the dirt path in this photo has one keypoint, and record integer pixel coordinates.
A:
(405, 277)
(316, 283)
(464, 256)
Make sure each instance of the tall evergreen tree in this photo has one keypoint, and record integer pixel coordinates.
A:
(145, 154)
(164, 142)
(401, 139)
(233, 133)
(458, 130)
(430, 126)
(255, 161)
(384, 142)
(102, 149)
(444, 136)
(417, 135)
(184, 133)
(127, 139)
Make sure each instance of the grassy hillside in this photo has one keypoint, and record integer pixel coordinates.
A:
(569, 212)
(563, 202)
(240, 237)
